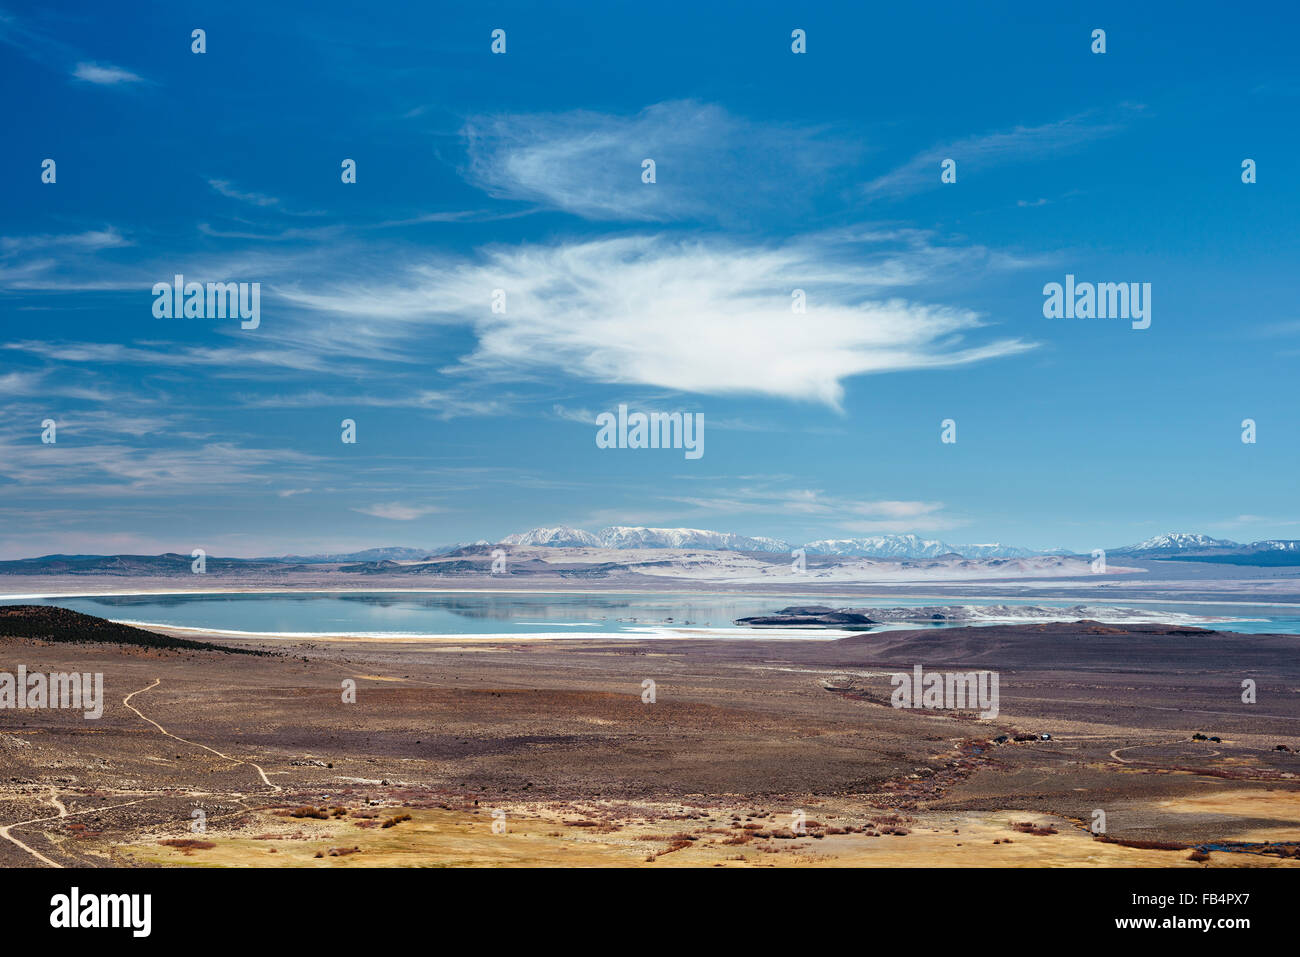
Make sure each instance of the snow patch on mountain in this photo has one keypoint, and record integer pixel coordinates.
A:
(639, 536)
(1176, 542)
(1277, 545)
(561, 536)
(909, 546)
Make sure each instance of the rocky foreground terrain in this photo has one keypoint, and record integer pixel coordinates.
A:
(658, 753)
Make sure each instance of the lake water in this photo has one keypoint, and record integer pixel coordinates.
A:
(556, 615)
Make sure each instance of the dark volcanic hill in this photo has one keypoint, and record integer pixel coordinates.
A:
(50, 623)
(810, 615)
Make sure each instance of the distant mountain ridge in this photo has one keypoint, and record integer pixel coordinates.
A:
(911, 546)
(1174, 546)
(395, 553)
(1185, 547)
(392, 553)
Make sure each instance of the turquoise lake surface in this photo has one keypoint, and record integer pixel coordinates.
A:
(555, 615)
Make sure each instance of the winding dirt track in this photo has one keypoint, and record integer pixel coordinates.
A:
(57, 803)
(157, 681)
(1154, 744)
(63, 812)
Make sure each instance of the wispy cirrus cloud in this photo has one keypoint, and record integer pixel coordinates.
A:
(230, 191)
(75, 469)
(709, 162)
(236, 359)
(988, 150)
(103, 74)
(263, 201)
(92, 422)
(44, 384)
(312, 233)
(22, 383)
(91, 239)
(446, 405)
(397, 512)
(46, 49)
(71, 263)
(835, 514)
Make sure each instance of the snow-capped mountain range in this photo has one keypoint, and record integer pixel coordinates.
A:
(1177, 541)
(636, 536)
(908, 546)
(1273, 551)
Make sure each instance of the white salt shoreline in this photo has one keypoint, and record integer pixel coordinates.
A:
(662, 632)
(820, 597)
(640, 633)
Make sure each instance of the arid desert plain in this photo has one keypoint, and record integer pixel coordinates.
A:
(1114, 745)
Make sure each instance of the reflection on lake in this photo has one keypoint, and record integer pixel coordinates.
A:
(481, 613)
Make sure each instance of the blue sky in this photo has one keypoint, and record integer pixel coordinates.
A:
(522, 171)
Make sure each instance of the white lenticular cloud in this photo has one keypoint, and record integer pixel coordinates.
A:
(705, 318)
